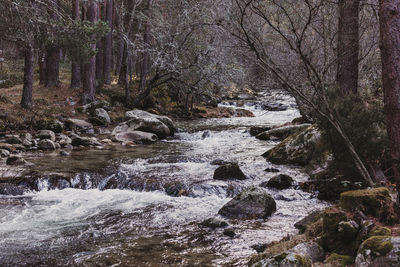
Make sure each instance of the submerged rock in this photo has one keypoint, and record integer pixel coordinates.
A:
(282, 132)
(214, 223)
(229, 232)
(85, 141)
(251, 203)
(11, 189)
(281, 181)
(274, 106)
(230, 171)
(219, 162)
(271, 170)
(255, 130)
(136, 136)
(16, 160)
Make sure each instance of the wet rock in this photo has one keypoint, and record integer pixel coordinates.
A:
(379, 251)
(101, 117)
(376, 202)
(205, 134)
(27, 143)
(26, 136)
(271, 170)
(64, 153)
(18, 147)
(47, 144)
(16, 160)
(219, 162)
(259, 247)
(243, 113)
(229, 171)
(339, 260)
(281, 181)
(299, 148)
(255, 130)
(13, 139)
(85, 141)
(214, 223)
(46, 134)
(11, 189)
(251, 203)
(229, 232)
(274, 106)
(136, 136)
(51, 124)
(176, 189)
(4, 153)
(7, 147)
(79, 126)
(63, 140)
(141, 115)
(282, 132)
(348, 230)
(304, 223)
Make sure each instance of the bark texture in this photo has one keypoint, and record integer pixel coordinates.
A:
(89, 77)
(100, 53)
(42, 67)
(389, 14)
(348, 46)
(146, 55)
(76, 78)
(26, 101)
(53, 56)
(108, 42)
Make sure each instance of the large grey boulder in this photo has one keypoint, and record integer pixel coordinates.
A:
(379, 251)
(282, 132)
(79, 126)
(63, 140)
(47, 144)
(100, 116)
(133, 114)
(229, 171)
(280, 181)
(251, 203)
(46, 134)
(146, 124)
(136, 136)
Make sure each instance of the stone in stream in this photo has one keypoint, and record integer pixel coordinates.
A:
(11, 189)
(85, 141)
(255, 130)
(280, 181)
(214, 223)
(46, 134)
(271, 170)
(274, 107)
(205, 134)
(251, 203)
(4, 153)
(47, 144)
(16, 160)
(230, 171)
(150, 121)
(100, 117)
(79, 126)
(379, 251)
(220, 162)
(229, 232)
(282, 132)
(136, 136)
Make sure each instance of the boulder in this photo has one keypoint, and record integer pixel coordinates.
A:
(47, 144)
(150, 125)
(4, 153)
(302, 255)
(63, 140)
(79, 126)
(219, 162)
(230, 171)
(46, 134)
(229, 232)
(16, 160)
(299, 148)
(255, 130)
(375, 202)
(6, 146)
(136, 136)
(103, 104)
(101, 117)
(85, 141)
(141, 114)
(27, 143)
(379, 251)
(339, 260)
(11, 189)
(51, 124)
(13, 139)
(280, 181)
(304, 223)
(214, 223)
(274, 106)
(282, 132)
(270, 169)
(240, 112)
(251, 203)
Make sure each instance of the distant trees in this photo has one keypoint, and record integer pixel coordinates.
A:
(76, 78)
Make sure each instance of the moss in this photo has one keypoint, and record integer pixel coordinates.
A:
(280, 257)
(339, 260)
(315, 229)
(304, 262)
(380, 231)
(379, 245)
(371, 201)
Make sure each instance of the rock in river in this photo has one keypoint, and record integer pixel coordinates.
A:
(230, 171)
(11, 189)
(137, 137)
(142, 115)
(280, 181)
(46, 134)
(16, 160)
(47, 144)
(251, 203)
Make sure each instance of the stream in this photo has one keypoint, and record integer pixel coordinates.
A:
(122, 210)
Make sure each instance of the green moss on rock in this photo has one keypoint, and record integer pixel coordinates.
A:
(380, 231)
(339, 260)
(304, 262)
(378, 245)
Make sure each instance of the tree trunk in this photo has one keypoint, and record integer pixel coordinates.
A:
(42, 67)
(389, 14)
(123, 73)
(26, 101)
(76, 78)
(348, 46)
(108, 41)
(53, 57)
(89, 77)
(100, 54)
(146, 56)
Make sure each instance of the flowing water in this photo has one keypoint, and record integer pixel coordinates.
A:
(121, 206)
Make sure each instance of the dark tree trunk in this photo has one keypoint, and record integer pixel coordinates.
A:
(76, 78)
(123, 73)
(42, 67)
(348, 46)
(100, 54)
(108, 42)
(26, 101)
(389, 13)
(146, 56)
(53, 57)
(89, 77)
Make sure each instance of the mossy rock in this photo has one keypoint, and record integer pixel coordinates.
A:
(375, 202)
(379, 251)
(380, 231)
(339, 260)
(378, 245)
